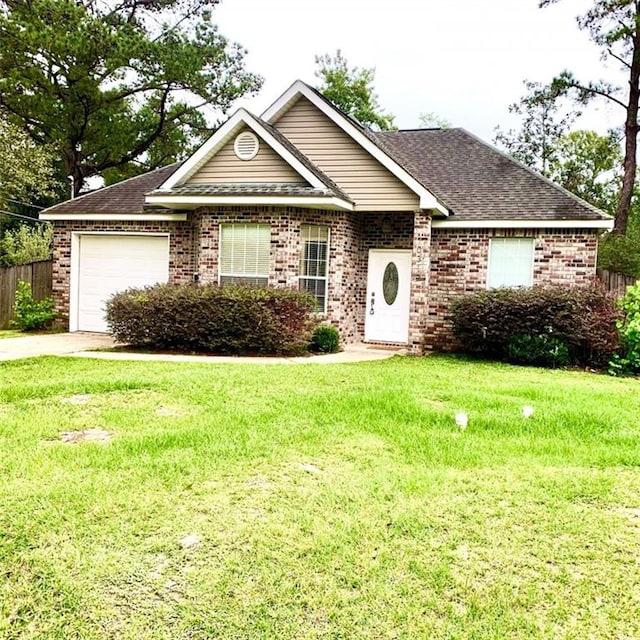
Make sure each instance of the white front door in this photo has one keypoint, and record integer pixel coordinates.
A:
(388, 292)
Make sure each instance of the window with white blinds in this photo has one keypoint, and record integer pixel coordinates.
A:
(313, 262)
(510, 262)
(244, 254)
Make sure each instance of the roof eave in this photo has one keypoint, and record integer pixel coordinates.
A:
(604, 224)
(193, 202)
(114, 217)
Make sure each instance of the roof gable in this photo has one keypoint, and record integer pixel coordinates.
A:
(240, 120)
(225, 166)
(356, 132)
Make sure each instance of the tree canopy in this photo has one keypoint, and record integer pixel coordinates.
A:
(114, 86)
(26, 169)
(613, 25)
(544, 122)
(351, 90)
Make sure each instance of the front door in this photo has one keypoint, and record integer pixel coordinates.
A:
(388, 292)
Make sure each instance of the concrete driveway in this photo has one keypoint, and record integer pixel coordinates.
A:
(52, 344)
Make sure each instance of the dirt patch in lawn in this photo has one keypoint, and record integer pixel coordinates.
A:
(87, 435)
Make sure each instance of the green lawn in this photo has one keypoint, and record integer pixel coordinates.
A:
(330, 501)
(10, 333)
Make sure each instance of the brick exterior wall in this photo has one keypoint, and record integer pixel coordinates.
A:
(445, 263)
(459, 260)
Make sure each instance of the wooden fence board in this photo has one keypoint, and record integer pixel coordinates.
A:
(615, 283)
(39, 274)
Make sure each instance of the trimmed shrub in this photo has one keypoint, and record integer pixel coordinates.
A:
(544, 325)
(627, 361)
(543, 350)
(30, 314)
(326, 339)
(209, 318)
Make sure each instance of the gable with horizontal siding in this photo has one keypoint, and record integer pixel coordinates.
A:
(354, 170)
(266, 167)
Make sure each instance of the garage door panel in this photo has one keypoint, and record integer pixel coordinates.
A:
(112, 263)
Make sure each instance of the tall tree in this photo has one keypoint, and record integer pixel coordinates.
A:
(589, 165)
(431, 120)
(115, 85)
(351, 90)
(614, 25)
(26, 169)
(544, 121)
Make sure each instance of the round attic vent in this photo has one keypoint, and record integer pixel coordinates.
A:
(246, 145)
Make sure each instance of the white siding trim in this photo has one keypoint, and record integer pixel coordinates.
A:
(523, 224)
(239, 119)
(189, 202)
(427, 199)
(115, 217)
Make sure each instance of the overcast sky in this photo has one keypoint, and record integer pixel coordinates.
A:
(464, 60)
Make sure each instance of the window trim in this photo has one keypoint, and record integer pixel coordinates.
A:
(531, 240)
(324, 278)
(234, 274)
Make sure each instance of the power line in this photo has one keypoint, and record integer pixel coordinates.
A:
(26, 204)
(17, 215)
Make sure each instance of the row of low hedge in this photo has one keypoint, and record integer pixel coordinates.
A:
(229, 319)
(541, 325)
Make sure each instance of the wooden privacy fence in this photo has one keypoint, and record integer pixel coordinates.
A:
(615, 283)
(39, 274)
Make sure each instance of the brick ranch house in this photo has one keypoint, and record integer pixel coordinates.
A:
(383, 228)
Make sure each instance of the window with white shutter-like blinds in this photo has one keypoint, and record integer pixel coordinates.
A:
(510, 262)
(313, 262)
(244, 254)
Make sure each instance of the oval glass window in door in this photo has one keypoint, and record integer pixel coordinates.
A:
(390, 283)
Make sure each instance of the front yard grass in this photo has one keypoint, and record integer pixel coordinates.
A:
(10, 333)
(328, 501)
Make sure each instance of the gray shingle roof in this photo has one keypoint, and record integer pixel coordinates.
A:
(475, 181)
(471, 178)
(124, 197)
(247, 188)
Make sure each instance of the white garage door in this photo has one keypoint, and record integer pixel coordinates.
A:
(110, 263)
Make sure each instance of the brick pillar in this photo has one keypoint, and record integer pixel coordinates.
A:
(420, 264)
(285, 249)
(206, 232)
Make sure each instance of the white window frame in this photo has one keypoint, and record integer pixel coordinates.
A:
(241, 274)
(493, 242)
(325, 278)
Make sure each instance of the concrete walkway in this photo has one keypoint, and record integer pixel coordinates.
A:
(80, 345)
(52, 344)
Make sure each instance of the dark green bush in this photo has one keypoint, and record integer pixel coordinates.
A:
(30, 314)
(627, 360)
(213, 319)
(621, 253)
(538, 325)
(326, 339)
(543, 350)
